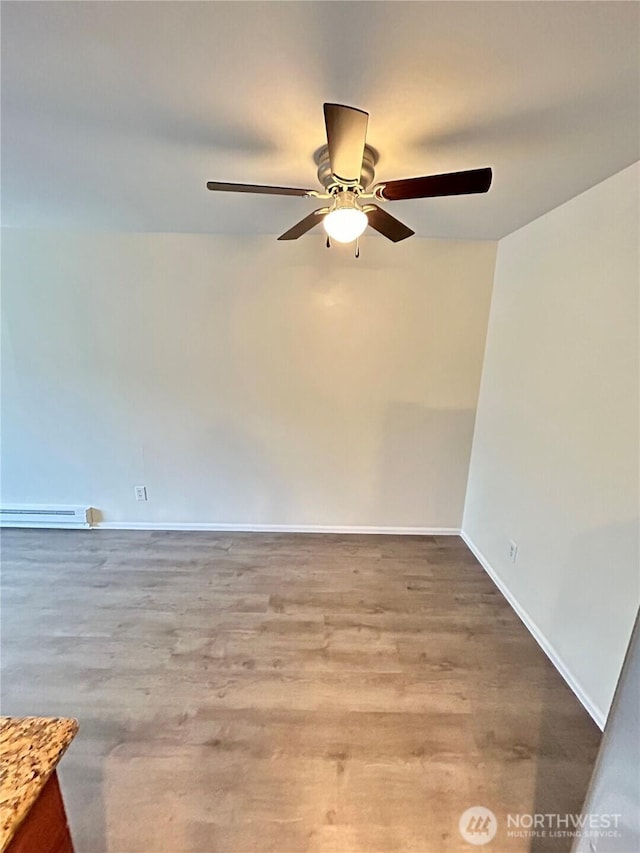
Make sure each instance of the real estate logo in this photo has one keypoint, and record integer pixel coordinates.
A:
(478, 825)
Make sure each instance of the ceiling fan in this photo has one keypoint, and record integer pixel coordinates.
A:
(346, 170)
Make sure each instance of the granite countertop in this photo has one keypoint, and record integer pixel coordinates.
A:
(30, 748)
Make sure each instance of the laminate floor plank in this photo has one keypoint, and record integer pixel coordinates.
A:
(280, 693)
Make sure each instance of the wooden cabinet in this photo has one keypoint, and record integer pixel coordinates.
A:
(44, 830)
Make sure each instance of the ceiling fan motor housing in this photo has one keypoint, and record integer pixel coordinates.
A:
(367, 174)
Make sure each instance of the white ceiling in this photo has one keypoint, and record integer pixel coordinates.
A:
(115, 114)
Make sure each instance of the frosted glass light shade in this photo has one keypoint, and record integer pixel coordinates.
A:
(345, 224)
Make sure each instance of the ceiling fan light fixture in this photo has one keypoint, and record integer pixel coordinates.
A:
(346, 169)
(346, 221)
(345, 225)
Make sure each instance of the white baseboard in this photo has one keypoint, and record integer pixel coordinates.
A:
(596, 713)
(278, 528)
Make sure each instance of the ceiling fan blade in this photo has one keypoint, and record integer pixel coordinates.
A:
(346, 135)
(304, 225)
(453, 183)
(218, 186)
(388, 225)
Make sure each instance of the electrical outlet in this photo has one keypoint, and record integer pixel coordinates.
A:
(140, 493)
(513, 551)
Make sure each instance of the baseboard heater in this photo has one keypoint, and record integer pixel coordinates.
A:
(23, 515)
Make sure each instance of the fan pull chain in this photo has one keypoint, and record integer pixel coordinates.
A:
(328, 242)
(357, 247)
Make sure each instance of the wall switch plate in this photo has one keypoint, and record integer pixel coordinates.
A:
(513, 551)
(140, 492)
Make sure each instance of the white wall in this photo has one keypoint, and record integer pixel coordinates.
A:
(555, 452)
(240, 379)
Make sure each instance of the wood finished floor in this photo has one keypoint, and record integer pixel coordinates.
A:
(248, 693)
